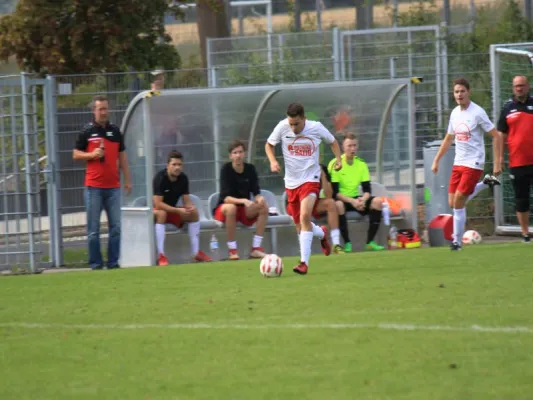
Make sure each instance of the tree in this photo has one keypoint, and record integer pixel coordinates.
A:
(212, 23)
(87, 36)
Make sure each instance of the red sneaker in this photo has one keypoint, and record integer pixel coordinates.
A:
(202, 257)
(162, 260)
(301, 268)
(233, 254)
(326, 248)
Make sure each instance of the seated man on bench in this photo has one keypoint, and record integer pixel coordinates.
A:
(169, 185)
(346, 183)
(237, 180)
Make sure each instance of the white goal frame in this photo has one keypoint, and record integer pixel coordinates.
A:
(518, 49)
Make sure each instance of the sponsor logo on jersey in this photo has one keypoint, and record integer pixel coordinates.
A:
(302, 147)
(462, 132)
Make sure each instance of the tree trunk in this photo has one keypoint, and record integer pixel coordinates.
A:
(212, 23)
(364, 13)
(297, 16)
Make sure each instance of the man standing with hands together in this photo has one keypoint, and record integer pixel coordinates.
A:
(101, 146)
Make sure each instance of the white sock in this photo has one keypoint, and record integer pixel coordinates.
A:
(257, 241)
(160, 237)
(306, 240)
(386, 214)
(232, 245)
(336, 237)
(459, 219)
(479, 187)
(194, 236)
(317, 231)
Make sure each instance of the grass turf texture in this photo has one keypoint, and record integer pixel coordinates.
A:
(93, 337)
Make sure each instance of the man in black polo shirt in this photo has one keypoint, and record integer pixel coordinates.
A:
(238, 180)
(101, 146)
(169, 185)
(516, 123)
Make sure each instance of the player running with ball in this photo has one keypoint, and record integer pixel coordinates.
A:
(300, 140)
(468, 122)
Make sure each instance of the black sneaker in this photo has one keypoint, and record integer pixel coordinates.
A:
(455, 247)
(526, 239)
(491, 180)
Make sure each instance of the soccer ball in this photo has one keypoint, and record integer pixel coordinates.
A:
(271, 266)
(471, 237)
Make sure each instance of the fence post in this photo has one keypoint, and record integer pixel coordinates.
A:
(49, 176)
(394, 122)
(216, 139)
(336, 61)
(27, 164)
(496, 107)
(210, 82)
(53, 164)
(438, 83)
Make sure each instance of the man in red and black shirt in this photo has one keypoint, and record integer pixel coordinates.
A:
(101, 145)
(516, 123)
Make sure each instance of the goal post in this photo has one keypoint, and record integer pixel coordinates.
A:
(506, 61)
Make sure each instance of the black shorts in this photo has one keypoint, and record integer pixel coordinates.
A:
(349, 207)
(522, 179)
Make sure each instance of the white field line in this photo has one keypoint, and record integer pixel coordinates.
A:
(207, 326)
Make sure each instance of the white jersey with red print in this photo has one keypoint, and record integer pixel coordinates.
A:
(469, 127)
(300, 151)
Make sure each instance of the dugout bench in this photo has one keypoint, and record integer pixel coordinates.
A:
(138, 247)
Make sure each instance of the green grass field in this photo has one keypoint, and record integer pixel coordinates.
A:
(409, 324)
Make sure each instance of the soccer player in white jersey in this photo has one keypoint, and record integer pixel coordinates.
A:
(300, 139)
(468, 122)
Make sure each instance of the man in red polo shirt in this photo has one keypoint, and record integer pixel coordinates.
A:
(516, 123)
(101, 145)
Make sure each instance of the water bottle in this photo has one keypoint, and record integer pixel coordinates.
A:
(213, 247)
(393, 238)
(386, 213)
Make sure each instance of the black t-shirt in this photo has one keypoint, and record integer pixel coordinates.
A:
(170, 190)
(238, 185)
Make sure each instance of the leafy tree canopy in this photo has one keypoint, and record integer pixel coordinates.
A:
(88, 36)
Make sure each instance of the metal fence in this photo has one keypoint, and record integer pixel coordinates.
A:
(280, 58)
(385, 53)
(23, 202)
